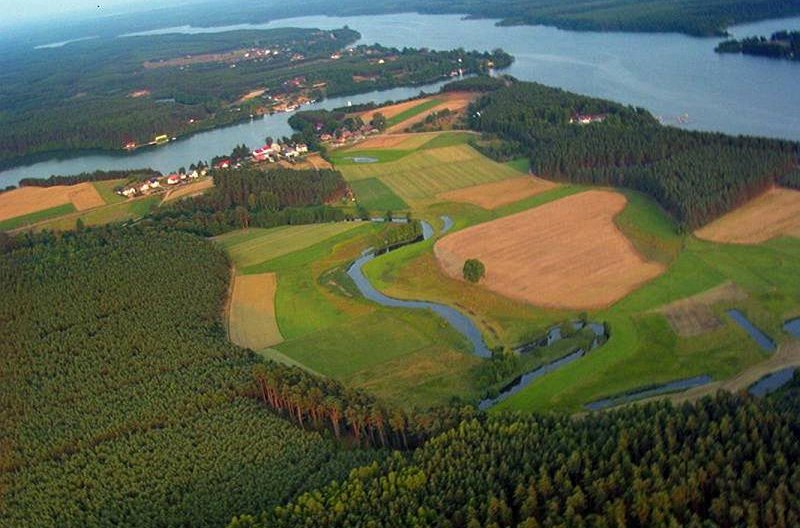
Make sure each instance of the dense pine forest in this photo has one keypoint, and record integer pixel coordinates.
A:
(725, 461)
(696, 176)
(253, 197)
(121, 400)
(140, 87)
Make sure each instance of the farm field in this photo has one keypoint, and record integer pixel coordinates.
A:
(374, 195)
(493, 195)
(27, 201)
(106, 189)
(329, 329)
(256, 245)
(116, 212)
(454, 101)
(420, 177)
(775, 213)
(192, 189)
(644, 349)
(566, 254)
(251, 320)
(396, 141)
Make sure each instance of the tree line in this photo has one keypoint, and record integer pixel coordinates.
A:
(696, 176)
(253, 197)
(729, 460)
(74, 179)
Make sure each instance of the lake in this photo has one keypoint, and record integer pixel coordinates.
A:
(669, 74)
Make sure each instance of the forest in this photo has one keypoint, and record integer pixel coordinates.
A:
(253, 197)
(781, 45)
(696, 176)
(729, 460)
(122, 401)
(51, 103)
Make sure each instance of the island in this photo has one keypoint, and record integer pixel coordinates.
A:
(781, 45)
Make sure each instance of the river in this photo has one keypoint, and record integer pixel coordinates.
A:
(669, 74)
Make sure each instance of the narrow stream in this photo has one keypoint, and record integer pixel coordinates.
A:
(647, 392)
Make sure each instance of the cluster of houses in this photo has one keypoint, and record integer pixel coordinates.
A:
(587, 119)
(276, 151)
(152, 185)
(344, 136)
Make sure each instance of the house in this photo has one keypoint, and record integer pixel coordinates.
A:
(182, 176)
(130, 191)
(325, 137)
(160, 140)
(290, 153)
(301, 148)
(223, 164)
(173, 179)
(144, 188)
(586, 119)
(194, 175)
(131, 145)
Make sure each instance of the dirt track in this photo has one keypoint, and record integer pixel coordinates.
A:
(775, 213)
(565, 254)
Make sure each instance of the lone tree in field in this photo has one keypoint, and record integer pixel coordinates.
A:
(474, 270)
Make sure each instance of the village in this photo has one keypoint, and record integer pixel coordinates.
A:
(272, 152)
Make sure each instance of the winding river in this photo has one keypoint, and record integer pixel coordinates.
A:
(673, 76)
(457, 320)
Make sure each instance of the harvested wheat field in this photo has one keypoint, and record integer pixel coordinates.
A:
(252, 322)
(396, 141)
(693, 316)
(191, 189)
(456, 102)
(565, 254)
(774, 213)
(27, 200)
(496, 194)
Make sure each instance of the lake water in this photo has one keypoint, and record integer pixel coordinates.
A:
(669, 74)
(772, 382)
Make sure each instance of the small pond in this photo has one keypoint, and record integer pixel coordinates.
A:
(772, 382)
(763, 340)
(363, 159)
(792, 327)
(447, 224)
(647, 392)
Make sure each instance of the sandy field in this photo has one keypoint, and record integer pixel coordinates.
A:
(392, 110)
(693, 316)
(252, 322)
(774, 213)
(494, 195)
(251, 95)
(456, 102)
(27, 200)
(565, 254)
(191, 189)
